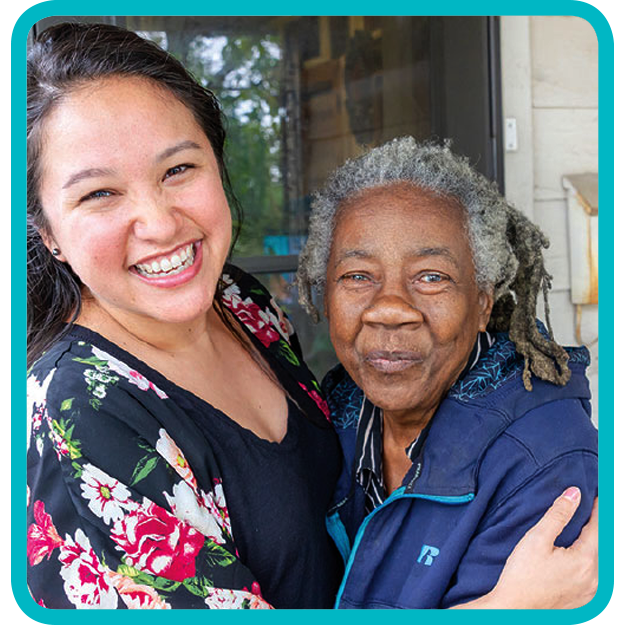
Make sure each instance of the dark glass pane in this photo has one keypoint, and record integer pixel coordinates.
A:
(302, 95)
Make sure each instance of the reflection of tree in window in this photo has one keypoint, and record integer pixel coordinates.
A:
(248, 88)
(244, 73)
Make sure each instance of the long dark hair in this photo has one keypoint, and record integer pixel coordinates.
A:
(63, 58)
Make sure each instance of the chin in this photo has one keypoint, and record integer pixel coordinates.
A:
(389, 397)
(183, 313)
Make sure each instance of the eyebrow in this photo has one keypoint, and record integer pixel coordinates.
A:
(179, 147)
(95, 172)
(352, 254)
(437, 251)
(85, 174)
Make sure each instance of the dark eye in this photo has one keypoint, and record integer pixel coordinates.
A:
(176, 171)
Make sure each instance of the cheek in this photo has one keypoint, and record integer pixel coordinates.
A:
(344, 325)
(454, 319)
(95, 249)
(208, 204)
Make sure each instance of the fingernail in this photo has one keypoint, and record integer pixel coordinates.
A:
(572, 494)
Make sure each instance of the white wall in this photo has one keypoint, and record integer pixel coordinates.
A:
(550, 86)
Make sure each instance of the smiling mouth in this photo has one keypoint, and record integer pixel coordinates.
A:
(393, 361)
(170, 265)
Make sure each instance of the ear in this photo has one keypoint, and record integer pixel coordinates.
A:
(485, 304)
(51, 244)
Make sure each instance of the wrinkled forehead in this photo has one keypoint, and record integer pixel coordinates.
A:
(372, 200)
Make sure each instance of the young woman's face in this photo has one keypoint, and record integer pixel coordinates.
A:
(134, 200)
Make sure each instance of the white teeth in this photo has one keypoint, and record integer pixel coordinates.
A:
(181, 260)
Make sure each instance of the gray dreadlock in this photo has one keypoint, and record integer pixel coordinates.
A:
(507, 247)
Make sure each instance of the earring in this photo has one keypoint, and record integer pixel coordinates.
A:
(56, 251)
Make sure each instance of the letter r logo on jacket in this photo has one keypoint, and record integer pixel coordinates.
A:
(428, 553)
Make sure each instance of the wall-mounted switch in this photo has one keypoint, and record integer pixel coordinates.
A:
(510, 135)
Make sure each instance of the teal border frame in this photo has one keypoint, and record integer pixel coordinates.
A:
(322, 7)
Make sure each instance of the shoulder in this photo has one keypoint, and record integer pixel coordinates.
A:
(502, 366)
(84, 371)
(255, 307)
(80, 392)
(553, 440)
(344, 398)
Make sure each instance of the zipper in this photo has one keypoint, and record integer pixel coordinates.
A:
(400, 493)
(337, 531)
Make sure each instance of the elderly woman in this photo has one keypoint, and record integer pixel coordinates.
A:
(459, 415)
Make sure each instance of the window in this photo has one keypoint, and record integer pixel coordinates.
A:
(303, 94)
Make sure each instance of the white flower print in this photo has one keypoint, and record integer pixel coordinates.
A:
(216, 503)
(283, 324)
(96, 382)
(232, 297)
(36, 394)
(99, 391)
(137, 596)
(226, 598)
(195, 511)
(134, 377)
(107, 497)
(166, 447)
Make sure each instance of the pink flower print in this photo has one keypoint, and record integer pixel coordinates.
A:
(155, 541)
(137, 596)
(42, 537)
(258, 322)
(107, 497)
(321, 403)
(85, 579)
(36, 417)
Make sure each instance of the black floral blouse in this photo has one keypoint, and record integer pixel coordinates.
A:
(126, 508)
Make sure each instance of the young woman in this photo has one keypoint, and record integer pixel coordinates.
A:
(180, 454)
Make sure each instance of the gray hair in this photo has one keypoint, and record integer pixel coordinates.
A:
(506, 246)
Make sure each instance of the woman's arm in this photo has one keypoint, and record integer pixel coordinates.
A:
(539, 575)
(116, 516)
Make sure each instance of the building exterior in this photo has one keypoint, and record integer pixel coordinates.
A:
(549, 74)
(517, 95)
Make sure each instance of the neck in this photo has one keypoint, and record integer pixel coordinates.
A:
(401, 428)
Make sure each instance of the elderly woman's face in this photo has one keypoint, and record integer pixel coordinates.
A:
(402, 302)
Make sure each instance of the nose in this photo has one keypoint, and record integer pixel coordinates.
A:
(392, 308)
(154, 218)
